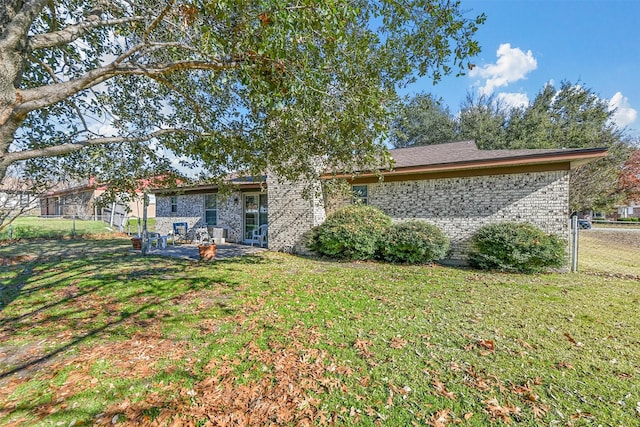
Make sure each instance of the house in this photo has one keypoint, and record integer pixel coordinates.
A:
(455, 186)
(17, 197)
(83, 201)
(631, 209)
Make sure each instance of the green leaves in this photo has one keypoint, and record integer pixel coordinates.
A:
(244, 84)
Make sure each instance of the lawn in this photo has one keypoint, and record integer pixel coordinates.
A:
(91, 334)
(53, 228)
(60, 228)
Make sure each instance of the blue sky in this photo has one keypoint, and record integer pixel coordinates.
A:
(529, 43)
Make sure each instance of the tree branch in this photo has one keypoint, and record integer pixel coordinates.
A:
(43, 96)
(73, 32)
(20, 24)
(71, 147)
(158, 19)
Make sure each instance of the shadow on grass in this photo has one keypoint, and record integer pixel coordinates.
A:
(85, 291)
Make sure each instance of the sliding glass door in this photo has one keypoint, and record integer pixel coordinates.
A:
(255, 213)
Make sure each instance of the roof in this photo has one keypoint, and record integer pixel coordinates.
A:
(465, 155)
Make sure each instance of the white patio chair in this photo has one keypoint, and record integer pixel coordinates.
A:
(259, 235)
(201, 235)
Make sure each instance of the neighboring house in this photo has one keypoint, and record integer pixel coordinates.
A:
(454, 186)
(17, 197)
(82, 201)
(631, 209)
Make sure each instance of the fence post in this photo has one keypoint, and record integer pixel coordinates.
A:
(73, 227)
(10, 231)
(574, 244)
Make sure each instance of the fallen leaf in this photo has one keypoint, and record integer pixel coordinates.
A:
(488, 344)
(570, 338)
(440, 418)
(398, 342)
(440, 388)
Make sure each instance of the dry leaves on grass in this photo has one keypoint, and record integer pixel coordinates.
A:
(442, 390)
(281, 388)
(363, 347)
(397, 342)
(500, 412)
(440, 418)
(486, 347)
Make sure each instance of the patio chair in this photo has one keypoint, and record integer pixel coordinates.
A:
(201, 235)
(259, 235)
(180, 232)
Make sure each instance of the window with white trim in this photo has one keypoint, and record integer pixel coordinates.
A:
(211, 209)
(174, 204)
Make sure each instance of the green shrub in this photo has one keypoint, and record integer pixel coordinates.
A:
(515, 247)
(413, 242)
(628, 219)
(352, 232)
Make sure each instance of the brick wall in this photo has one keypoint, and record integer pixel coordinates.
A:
(191, 210)
(460, 206)
(291, 214)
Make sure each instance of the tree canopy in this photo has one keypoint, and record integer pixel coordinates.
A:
(114, 88)
(424, 120)
(571, 116)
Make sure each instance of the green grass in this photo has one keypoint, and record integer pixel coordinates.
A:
(53, 228)
(57, 228)
(96, 335)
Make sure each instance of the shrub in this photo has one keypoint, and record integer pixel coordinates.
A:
(413, 242)
(515, 247)
(628, 219)
(352, 232)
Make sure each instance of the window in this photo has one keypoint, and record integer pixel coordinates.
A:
(174, 204)
(211, 209)
(25, 200)
(360, 194)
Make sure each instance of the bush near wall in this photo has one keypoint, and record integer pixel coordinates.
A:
(413, 242)
(516, 247)
(350, 233)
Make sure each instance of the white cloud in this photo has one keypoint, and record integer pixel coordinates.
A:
(514, 100)
(512, 65)
(624, 114)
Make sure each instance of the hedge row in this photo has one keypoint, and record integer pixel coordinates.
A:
(360, 232)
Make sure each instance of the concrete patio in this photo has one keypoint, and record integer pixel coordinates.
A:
(190, 251)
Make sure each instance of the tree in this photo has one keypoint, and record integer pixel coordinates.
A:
(423, 120)
(629, 178)
(483, 119)
(574, 116)
(117, 88)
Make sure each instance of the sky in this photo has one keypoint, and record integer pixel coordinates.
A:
(527, 44)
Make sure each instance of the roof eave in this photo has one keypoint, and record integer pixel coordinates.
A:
(574, 159)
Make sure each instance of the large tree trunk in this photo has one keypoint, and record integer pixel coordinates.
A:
(13, 51)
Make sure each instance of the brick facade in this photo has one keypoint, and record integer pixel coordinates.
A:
(291, 214)
(190, 209)
(460, 206)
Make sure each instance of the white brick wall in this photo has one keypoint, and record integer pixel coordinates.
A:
(291, 214)
(191, 211)
(460, 206)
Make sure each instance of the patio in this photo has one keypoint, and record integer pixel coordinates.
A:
(190, 251)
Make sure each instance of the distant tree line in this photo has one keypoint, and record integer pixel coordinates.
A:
(571, 116)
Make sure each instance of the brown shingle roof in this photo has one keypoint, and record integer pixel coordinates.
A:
(468, 152)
